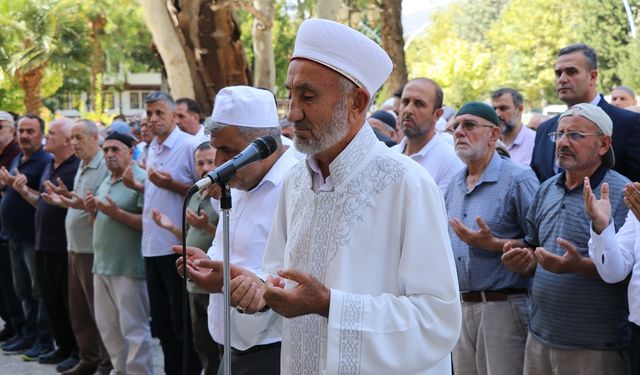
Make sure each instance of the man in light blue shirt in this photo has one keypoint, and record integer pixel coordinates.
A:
(490, 197)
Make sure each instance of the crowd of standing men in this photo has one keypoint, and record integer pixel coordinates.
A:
(507, 247)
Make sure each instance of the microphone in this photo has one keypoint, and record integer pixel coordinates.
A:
(259, 149)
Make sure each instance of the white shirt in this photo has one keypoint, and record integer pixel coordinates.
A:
(174, 156)
(249, 223)
(437, 157)
(379, 241)
(618, 254)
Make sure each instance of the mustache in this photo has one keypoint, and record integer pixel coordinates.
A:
(301, 125)
(565, 150)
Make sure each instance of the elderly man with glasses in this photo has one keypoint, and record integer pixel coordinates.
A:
(578, 322)
(490, 196)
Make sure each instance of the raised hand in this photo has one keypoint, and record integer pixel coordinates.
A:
(49, 195)
(570, 262)
(20, 183)
(73, 200)
(6, 179)
(632, 198)
(90, 204)
(107, 206)
(599, 210)
(161, 219)
(200, 220)
(61, 188)
(193, 254)
(518, 259)
(129, 180)
(309, 296)
(482, 239)
(159, 178)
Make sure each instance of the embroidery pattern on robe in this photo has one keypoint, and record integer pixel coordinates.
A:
(351, 335)
(319, 243)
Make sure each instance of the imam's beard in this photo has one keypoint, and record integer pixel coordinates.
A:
(330, 133)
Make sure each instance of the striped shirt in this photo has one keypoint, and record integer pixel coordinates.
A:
(501, 198)
(572, 311)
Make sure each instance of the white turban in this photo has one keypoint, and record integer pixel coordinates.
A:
(344, 50)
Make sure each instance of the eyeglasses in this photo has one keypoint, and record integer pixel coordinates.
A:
(573, 136)
(467, 125)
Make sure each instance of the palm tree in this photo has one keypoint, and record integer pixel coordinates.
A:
(37, 34)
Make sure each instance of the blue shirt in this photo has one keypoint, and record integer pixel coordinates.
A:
(572, 311)
(501, 198)
(18, 214)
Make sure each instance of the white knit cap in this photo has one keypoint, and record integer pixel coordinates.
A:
(245, 106)
(600, 119)
(344, 50)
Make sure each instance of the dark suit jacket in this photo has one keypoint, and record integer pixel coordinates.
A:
(625, 140)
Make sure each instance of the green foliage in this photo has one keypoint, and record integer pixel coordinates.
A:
(57, 34)
(473, 47)
(604, 25)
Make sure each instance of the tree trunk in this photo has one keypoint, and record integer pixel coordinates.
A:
(167, 40)
(393, 43)
(265, 62)
(328, 9)
(200, 46)
(97, 62)
(31, 82)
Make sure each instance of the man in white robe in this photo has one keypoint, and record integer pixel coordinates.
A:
(358, 260)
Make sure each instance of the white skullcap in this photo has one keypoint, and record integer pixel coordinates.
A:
(344, 50)
(245, 106)
(599, 118)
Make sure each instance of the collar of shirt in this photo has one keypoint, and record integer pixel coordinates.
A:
(595, 100)
(95, 161)
(169, 142)
(595, 179)
(279, 169)
(318, 182)
(342, 166)
(490, 174)
(424, 150)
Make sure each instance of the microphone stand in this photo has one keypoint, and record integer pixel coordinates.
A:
(185, 292)
(225, 206)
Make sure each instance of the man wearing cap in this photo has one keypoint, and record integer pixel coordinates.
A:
(487, 202)
(356, 300)
(241, 114)
(578, 322)
(576, 76)
(10, 310)
(170, 172)
(420, 108)
(188, 118)
(519, 139)
(121, 300)
(384, 126)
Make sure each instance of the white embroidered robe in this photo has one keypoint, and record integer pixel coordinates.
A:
(379, 241)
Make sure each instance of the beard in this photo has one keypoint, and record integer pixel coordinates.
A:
(472, 152)
(330, 133)
(507, 126)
